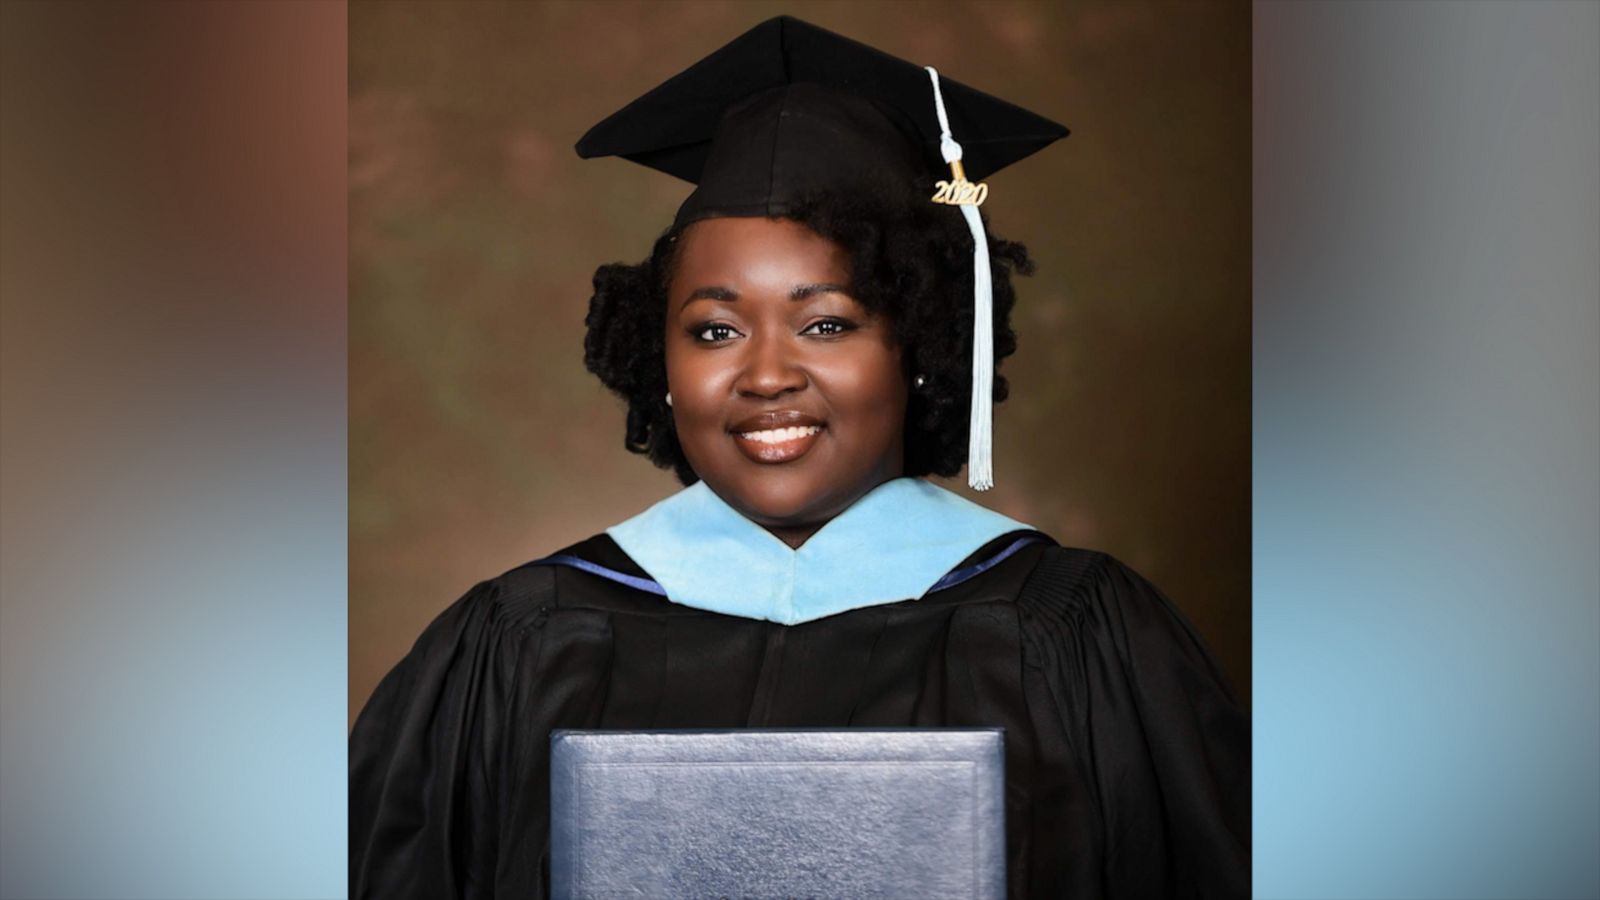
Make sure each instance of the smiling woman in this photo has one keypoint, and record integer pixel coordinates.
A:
(809, 337)
(789, 395)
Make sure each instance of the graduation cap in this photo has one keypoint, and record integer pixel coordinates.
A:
(788, 109)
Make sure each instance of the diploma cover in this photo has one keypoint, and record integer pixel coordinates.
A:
(904, 812)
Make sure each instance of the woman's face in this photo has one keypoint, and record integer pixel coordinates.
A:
(788, 397)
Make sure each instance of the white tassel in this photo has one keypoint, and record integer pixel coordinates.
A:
(980, 452)
(980, 446)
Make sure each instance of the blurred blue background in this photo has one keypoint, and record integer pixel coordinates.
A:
(1426, 461)
(1426, 449)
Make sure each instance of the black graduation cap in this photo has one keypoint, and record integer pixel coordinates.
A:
(787, 107)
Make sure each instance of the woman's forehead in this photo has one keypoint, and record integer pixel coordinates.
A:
(757, 254)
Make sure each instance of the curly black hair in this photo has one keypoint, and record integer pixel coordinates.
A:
(911, 261)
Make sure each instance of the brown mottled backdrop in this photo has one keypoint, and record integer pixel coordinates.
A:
(478, 441)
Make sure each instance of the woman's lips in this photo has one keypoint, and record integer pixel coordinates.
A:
(777, 445)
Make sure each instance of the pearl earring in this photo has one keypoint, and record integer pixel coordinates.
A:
(669, 398)
(920, 381)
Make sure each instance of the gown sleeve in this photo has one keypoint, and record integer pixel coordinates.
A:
(420, 756)
(1156, 740)
(440, 765)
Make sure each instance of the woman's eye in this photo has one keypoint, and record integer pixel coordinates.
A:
(828, 327)
(715, 332)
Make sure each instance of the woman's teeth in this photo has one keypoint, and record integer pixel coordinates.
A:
(780, 435)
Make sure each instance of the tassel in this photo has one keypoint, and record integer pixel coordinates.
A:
(980, 446)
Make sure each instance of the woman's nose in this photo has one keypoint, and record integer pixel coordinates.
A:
(770, 369)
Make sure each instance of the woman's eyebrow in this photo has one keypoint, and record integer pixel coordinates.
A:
(805, 291)
(709, 293)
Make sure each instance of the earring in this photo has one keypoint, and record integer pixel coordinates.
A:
(669, 398)
(919, 382)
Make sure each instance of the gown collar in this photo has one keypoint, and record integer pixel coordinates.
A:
(891, 545)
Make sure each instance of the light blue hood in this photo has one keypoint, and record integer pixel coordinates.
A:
(892, 545)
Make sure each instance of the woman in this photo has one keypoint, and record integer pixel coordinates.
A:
(804, 342)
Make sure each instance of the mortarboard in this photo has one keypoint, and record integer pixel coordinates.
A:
(788, 108)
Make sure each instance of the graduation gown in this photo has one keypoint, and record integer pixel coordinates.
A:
(1127, 759)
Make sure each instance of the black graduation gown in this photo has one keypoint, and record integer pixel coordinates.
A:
(1127, 759)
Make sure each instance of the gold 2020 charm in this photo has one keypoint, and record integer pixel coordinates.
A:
(959, 191)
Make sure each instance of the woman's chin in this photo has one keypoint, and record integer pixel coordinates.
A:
(781, 511)
(788, 507)
(784, 502)
(795, 497)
